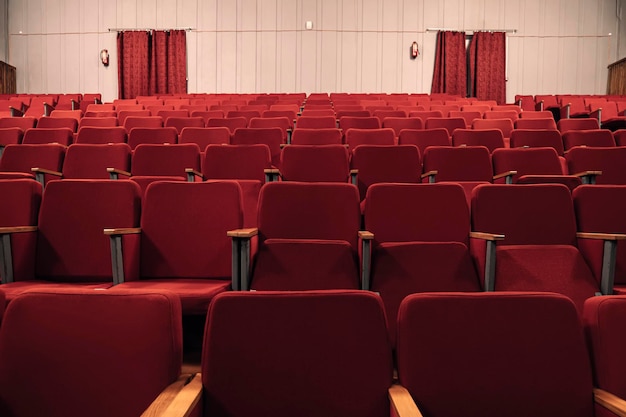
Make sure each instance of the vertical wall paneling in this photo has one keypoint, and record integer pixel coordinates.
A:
(561, 46)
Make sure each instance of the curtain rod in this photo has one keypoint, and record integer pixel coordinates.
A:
(147, 29)
(471, 30)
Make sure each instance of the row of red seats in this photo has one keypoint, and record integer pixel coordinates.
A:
(313, 353)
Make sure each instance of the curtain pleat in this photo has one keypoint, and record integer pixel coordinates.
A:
(450, 74)
(488, 66)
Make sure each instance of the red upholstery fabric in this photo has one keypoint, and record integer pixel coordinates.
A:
(420, 242)
(101, 135)
(533, 165)
(386, 164)
(168, 62)
(353, 122)
(471, 163)
(89, 161)
(608, 160)
(165, 159)
(539, 251)
(152, 135)
(401, 123)
(315, 122)
(492, 139)
(293, 353)
(58, 123)
(179, 123)
(505, 125)
(236, 162)
(97, 122)
(283, 123)
(130, 344)
(21, 158)
(2, 305)
(604, 319)
(424, 138)
(487, 63)
(232, 123)
(133, 122)
(82, 209)
(10, 135)
(321, 136)
(450, 74)
(514, 354)
(449, 123)
(537, 138)
(272, 137)
(600, 208)
(565, 125)
(589, 138)
(535, 124)
(310, 163)
(189, 255)
(205, 136)
(62, 135)
(21, 122)
(21, 199)
(307, 236)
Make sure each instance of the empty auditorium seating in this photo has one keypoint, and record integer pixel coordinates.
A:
(179, 123)
(419, 236)
(191, 257)
(300, 248)
(539, 250)
(18, 160)
(132, 122)
(311, 163)
(9, 136)
(589, 138)
(355, 137)
(62, 136)
(352, 122)
(97, 122)
(314, 122)
(21, 122)
(315, 136)
(232, 123)
(341, 333)
(58, 122)
(151, 135)
(505, 125)
(565, 125)
(400, 123)
(608, 115)
(101, 135)
(80, 209)
(424, 138)
(492, 139)
(270, 136)
(204, 136)
(78, 353)
(529, 123)
(598, 165)
(523, 354)
(449, 123)
(531, 166)
(599, 209)
(573, 107)
(536, 139)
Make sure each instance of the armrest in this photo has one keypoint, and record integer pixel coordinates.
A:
(17, 229)
(289, 133)
(588, 177)
(486, 236)
(6, 252)
(114, 173)
(271, 174)
(354, 173)
(430, 175)
(490, 240)
(117, 250)
(597, 114)
(47, 109)
(610, 401)
(565, 110)
(178, 399)
(402, 403)
(241, 253)
(508, 175)
(609, 257)
(41, 172)
(75, 104)
(283, 145)
(539, 106)
(366, 238)
(192, 174)
(16, 112)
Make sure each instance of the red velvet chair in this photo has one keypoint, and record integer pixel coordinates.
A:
(81, 210)
(565, 125)
(401, 123)
(192, 255)
(204, 136)
(321, 136)
(424, 138)
(492, 139)
(539, 251)
(504, 125)
(315, 163)
(232, 123)
(10, 136)
(538, 123)
(307, 238)
(284, 123)
(418, 238)
(36, 136)
(132, 122)
(94, 135)
(355, 137)
(58, 122)
(152, 135)
(598, 165)
(97, 122)
(270, 136)
(513, 354)
(18, 161)
(179, 123)
(589, 138)
(78, 353)
(449, 123)
(21, 122)
(352, 122)
(537, 138)
(313, 122)
(341, 334)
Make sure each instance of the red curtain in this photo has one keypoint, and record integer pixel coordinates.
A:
(152, 63)
(450, 74)
(488, 66)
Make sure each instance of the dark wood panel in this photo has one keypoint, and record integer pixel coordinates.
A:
(7, 79)
(617, 78)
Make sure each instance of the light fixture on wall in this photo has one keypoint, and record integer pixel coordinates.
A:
(414, 50)
(308, 25)
(104, 57)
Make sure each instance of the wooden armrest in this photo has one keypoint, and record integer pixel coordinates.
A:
(354, 172)
(271, 171)
(610, 401)
(47, 171)
(601, 236)
(243, 233)
(585, 173)
(402, 402)
(178, 399)
(283, 145)
(122, 231)
(366, 235)
(429, 173)
(486, 236)
(504, 174)
(17, 229)
(193, 172)
(118, 171)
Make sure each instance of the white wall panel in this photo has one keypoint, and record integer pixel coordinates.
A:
(561, 46)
